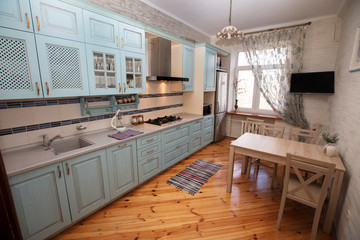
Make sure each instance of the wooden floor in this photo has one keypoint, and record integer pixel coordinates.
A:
(157, 210)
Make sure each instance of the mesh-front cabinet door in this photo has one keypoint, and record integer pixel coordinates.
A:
(19, 70)
(62, 66)
(16, 14)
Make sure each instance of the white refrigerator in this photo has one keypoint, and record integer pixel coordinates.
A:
(220, 106)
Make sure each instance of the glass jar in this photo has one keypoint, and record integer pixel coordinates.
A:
(140, 119)
(134, 120)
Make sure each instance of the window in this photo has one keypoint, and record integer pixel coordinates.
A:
(249, 97)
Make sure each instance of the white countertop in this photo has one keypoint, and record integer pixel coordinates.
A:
(23, 159)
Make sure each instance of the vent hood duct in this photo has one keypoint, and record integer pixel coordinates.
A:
(159, 60)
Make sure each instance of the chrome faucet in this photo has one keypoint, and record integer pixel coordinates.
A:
(47, 142)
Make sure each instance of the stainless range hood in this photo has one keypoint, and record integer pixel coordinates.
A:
(159, 60)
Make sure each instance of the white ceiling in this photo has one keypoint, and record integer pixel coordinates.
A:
(210, 16)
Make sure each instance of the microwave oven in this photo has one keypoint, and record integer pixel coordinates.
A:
(207, 109)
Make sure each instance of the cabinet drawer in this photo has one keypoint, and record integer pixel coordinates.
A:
(196, 127)
(208, 137)
(174, 154)
(175, 136)
(208, 122)
(149, 166)
(149, 150)
(148, 140)
(196, 143)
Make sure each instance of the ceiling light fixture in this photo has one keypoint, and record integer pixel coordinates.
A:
(229, 31)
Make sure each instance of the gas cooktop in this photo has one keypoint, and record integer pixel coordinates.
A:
(162, 120)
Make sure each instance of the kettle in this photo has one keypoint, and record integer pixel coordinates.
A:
(116, 122)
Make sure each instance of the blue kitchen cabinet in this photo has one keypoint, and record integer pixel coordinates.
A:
(16, 14)
(149, 156)
(208, 130)
(62, 66)
(57, 19)
(132, 38)
(188, 67)
(20, 76)
(210, 70)
(87, 183)
(196, 135)
(134, 72)
(41, 201)
(101, 30)
(122, 168)
(104, 70)
(175, 144)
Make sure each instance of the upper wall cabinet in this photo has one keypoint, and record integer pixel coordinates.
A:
(134, 74)
(132, 38)
(63, 67)
(101, 30)
(210, 70)
(20, 77)
(54, 18)
(104, 70)
(188, 67)
(16, 14)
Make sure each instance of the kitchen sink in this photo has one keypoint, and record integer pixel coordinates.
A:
(70, 144)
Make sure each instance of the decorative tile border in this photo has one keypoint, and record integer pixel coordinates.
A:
(40, 126)
(52, 102)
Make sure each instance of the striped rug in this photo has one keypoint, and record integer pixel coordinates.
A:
(194, 176)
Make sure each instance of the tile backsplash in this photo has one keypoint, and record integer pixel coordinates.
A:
(23, 122)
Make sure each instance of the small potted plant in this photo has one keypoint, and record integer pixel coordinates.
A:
(330, 140)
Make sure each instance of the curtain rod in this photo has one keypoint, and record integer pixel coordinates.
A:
(274, 29)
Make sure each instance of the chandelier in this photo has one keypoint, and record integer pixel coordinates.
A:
(229, 31)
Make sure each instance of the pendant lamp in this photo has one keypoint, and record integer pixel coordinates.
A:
(229, 31)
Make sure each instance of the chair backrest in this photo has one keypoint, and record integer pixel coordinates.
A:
(272, 130)
(303, 135)
(303, 190)
(253, 125)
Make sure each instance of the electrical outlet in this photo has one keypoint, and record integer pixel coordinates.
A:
(348, 215)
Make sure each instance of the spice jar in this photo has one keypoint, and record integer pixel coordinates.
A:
(120, 101)
(132, 98)
(140, 119)
(134, 120)
(125, 100)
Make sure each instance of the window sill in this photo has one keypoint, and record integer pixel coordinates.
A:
(268, 116)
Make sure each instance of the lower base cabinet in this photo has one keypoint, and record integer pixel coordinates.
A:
(208, 130)
(87, 183)
(122, 165)
(149, 166)
(41, 201)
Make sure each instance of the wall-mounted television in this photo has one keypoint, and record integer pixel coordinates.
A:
(312, 82)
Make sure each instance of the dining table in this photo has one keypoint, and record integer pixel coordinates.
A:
(274, 150)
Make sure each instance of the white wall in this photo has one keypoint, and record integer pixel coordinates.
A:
(345, 120)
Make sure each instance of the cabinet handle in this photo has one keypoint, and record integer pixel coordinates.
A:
(68, 169)
(119, 87)
(122, 42)
(178, 147)
(120, 146)
(27, 20)
(152, 150)
(47, 88)
(38, 88)
(117, 41)
(150, 140)
(150, 159)
(59, 169)
(178, 128)
(38, 23)
(124, 87)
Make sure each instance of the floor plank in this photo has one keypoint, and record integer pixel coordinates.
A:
(157, 210)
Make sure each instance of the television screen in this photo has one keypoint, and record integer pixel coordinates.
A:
(314, 82)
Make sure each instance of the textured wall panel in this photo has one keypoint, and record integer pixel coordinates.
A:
(345, 120)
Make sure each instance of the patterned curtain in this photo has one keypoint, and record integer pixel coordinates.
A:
(273, 56)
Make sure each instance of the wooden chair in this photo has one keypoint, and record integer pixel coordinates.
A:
(307, 191)
(272, 130)
(253, 125)
(303, 135)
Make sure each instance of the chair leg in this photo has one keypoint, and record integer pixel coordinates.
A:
(274, 174)
(281, 210)
(315, 223)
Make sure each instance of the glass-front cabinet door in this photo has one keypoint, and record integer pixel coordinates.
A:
(134, 72)
(104, 70)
